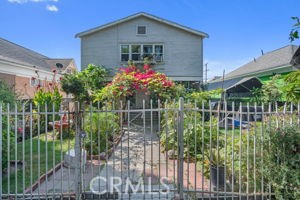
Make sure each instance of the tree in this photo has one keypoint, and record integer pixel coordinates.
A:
(271, 90)
(294, 34)
(292, 80)
(84, 84)
(256, 95)
(291, 88)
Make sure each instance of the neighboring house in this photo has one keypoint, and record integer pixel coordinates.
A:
(24, 69)
(173, 49)
(296, 58)
(241, 81)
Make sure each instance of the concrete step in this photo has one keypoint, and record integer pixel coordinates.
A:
(138, 118)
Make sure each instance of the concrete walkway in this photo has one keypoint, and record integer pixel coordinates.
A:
(137, 158)
(63, 180)
(133, 158)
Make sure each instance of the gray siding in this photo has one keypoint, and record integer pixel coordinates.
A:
(183, 51)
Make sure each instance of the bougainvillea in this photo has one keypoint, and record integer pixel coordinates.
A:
(130, 79)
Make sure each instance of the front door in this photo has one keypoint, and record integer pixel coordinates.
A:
(139, 97)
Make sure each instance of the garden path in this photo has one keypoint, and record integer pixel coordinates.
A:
(136, 147)
(143, 148)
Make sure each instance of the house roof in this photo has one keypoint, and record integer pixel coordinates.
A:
(269, 61)
(17, 54)
(296, 58)
(65, 62)
(142, 14)
(237, 84)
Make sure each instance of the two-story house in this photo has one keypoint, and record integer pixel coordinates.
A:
(173, 49)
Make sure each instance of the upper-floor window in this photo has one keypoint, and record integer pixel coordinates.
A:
(141, 30)
(124, 52)
(158, 52)
(138, 52)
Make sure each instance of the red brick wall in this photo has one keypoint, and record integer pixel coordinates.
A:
(22, 85)
(23, 88)
(25, 91)
(7, 78)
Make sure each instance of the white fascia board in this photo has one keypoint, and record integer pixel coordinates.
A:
(173, 24)
(186, 78)
(24, 71)
(253, 73)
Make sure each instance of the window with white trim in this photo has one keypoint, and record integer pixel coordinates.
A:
(158, 53)
(138, 52)
(124, 52)
(141, 30)
(35, 82)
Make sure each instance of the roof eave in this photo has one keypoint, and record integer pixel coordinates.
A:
(99, 28)
(252, 73)
(25, 65)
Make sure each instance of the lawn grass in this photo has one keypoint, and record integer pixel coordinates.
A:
(49, 149)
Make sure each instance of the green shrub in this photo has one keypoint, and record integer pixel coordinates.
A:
(240, 164)
(67, 133)
(205, 96)
(84, 84)
(7, 95)
(283, 162)
(5, 140)
(193, 130)
(291, 87)
(73, 84)
(99, 128)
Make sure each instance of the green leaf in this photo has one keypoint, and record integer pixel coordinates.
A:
(296, 18)
(295, 34)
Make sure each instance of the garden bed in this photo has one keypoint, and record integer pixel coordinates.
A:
(46, 160)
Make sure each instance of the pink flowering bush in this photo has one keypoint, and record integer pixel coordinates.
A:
(131, 79)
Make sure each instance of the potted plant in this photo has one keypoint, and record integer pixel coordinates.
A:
(215, 160)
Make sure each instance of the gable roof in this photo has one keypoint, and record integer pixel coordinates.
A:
(269, 61)
(17, 54)
(237, 84)
(142, 14)
(64, 62)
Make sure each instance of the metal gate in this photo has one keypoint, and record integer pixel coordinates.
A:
(170, 150)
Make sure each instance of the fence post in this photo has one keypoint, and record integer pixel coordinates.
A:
(77, 148)
(180, 145)
(1, 134)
